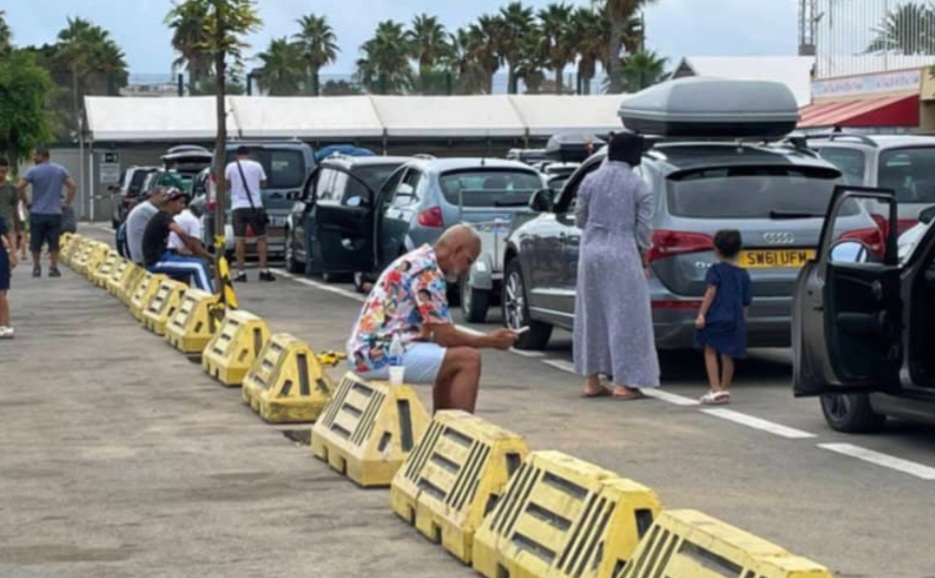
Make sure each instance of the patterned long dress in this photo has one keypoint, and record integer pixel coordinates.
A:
(613, 332)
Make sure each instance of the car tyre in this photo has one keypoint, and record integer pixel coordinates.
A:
(359, 280)
(474, 303)
(114, 223)
(292, 265)
(851, 413)
(516, 311)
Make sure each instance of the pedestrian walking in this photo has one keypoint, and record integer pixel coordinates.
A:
(8, 262)
(245, 178)
(722, 320)
(613, 331)
(157, 255)
(9, 202)
(45, 211)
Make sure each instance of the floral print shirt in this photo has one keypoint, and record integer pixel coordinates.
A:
(409, 295)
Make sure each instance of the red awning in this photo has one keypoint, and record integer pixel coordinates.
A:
(899, 110)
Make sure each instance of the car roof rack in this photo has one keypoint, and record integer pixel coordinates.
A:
(863, 139)
(424, 156)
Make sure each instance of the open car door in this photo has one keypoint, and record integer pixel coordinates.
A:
(847, 314)
(343, 238)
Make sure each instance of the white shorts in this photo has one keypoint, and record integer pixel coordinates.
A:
(422, 361)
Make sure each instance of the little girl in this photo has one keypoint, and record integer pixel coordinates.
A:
(722, 319)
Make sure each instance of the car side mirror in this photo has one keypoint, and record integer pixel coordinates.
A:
(928, 215)
(356, 201)
(542, 201)
(849, 252)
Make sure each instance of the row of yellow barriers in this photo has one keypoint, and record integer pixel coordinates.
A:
(464, 483)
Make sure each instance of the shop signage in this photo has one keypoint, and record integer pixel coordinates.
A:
(884, 82)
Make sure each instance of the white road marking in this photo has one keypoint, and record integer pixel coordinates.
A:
(758, 423)
(672, 398)
(524, 353)
(560, 365)
(321, 286)
(887, 461)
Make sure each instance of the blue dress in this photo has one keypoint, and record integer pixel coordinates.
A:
(725, 324)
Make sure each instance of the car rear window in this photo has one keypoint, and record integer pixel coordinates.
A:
(489, 187)
(754, 193)
(137, 181)
(910, 172)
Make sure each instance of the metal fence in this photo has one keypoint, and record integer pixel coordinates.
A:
(851, 37)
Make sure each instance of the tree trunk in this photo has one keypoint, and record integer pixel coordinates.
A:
(559, 80)
(616, 42)
(220, 148)
(511, 85)
(316, 83)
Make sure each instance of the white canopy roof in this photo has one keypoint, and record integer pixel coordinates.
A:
(116, 119)
(162, 119)
(306, 117)
(545, 115)
(448, 116)
(793, 71)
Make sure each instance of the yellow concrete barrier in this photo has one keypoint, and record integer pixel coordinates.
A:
(127, 287)
(117, 273)
(690, 544)
(368, 430)
(193, 325)
(238, 343)
(162, 306)
(79, 263)
(106, 268)
(95, 257)
(68, 255)
(286, 384)
(564, 517)
(454, 477)
(145, 289)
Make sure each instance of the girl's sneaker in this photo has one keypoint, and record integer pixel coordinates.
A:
(715, 398)
(6, 333)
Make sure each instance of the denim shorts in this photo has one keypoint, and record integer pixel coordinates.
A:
(44, 229)
(422, 361)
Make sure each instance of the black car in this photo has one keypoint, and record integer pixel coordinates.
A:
(861, 329)
(337, 181)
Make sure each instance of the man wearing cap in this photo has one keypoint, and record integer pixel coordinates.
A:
(159, 258)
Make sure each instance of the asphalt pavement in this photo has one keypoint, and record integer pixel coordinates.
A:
(119, 457)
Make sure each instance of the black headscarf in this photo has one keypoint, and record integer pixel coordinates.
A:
(626, 147)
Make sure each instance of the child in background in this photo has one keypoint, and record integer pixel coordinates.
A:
(722, 320)
(8, 262)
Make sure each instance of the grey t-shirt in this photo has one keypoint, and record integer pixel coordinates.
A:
(137, 220)
(47, 180)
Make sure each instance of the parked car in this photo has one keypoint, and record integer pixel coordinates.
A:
(862, 336)
(127, 191)
(557, 174)
(774, 193)
(287, 165)
(415, 205)
(903, 163)
(528, 156)
(336, 181)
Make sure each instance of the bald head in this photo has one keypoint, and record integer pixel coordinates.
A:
(457, 249)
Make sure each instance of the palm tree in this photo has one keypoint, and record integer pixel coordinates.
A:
(557, 36)
(591, 32)
(909, 29)
(517, 22)
(640, 70)
(532, 61)
(190, 40)
(6, 36)
(97, 64)
(319, 45)
(429, 45)
(625, 32)
(485, 46)
(384, 66)
(284, 68)
(463, 62)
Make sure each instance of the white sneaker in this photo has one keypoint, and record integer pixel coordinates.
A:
(6, 333)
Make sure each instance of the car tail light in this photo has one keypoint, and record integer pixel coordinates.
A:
(872, 237)
(677, 305)
(211, 201)
(432, 218)
(674, 243)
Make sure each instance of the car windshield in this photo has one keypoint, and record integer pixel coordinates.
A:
(489, 187)
(136, 183)
(754, 193)
(285, 168)
(910, 172)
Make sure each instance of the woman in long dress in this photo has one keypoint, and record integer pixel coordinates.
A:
(613, 332)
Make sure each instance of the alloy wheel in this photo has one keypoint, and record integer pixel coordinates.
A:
(515, 302)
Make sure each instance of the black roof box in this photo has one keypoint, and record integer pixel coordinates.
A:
(572, 147)
(704, 107)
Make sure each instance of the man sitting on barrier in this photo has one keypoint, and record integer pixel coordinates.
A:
(409, 300)
(157, 255)
(137, 221)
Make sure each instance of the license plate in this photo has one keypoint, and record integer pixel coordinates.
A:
(277, 221)
(784, 259)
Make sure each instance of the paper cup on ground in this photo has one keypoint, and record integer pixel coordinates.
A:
(397, 373)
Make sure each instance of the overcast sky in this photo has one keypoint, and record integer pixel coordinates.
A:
(676, 28)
